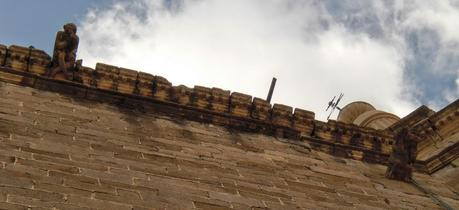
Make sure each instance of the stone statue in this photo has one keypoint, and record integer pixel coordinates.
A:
(65, 49)
(403, 156)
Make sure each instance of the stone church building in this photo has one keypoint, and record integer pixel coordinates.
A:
(73, 137)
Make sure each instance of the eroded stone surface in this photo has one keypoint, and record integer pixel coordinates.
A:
(64, 152)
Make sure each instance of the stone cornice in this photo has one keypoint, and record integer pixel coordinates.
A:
(421, 113)
(148, 93)
(438, 133)
(442, 158)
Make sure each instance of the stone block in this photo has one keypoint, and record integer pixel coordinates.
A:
(14, 78)
(161, 88)
(220, 100)
(210, 206)
(282, 115)
(145, 84)
(346, 134)
(17, 58)
(181, 94)
(39, 62)
(261, 109)
(322, 130)
(48, 166)
(31, 193)
(240, 104)
(2, 54)
(106, 77)
(87, 76)
(202, 97)
(303, 121)
(127, 80)
(95, 203)
(356, 155)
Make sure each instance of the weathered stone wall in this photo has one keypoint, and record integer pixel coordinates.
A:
(66, 152)
(27, 66)
(437, 146)
(443, 183)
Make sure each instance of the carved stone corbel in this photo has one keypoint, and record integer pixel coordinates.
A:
(403, 156)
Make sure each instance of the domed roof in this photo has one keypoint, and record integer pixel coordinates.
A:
(351, 111)
(365, 115)
(376, 119)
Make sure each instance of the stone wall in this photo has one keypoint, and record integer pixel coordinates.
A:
(62, 151)
(26, 67)
(439, 132)
(124, 139)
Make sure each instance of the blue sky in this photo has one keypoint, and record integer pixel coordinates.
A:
(29, 22)
(396, 55)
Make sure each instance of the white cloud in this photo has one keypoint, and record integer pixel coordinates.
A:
(442, 16)
(239, 45)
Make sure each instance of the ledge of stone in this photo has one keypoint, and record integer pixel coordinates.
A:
(116, 85)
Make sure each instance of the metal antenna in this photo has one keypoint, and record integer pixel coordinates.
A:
(334, 105)
(271, 90)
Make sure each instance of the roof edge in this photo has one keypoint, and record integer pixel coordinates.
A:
(120, 86)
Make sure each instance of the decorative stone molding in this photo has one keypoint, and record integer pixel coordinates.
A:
(202, 97)
(127, 80)
(261, 109)
(145, 84)
(161, 88)
(240, 104)
(220, 100)
(17, 58)
(282, 115)
(112, 84)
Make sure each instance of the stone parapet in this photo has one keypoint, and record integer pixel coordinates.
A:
(3, 51)
(438, 135)
(145, 84)
(17, 58)
(161, 88)
(446, 120)
(439, 138)
(358, 138)
(38, 62)
(202, 97)
(218, 106)
(112, 84)
(240, 104)
(412, 119)
(88, 76)
(281, 115)
(25, 59)
(106, 77)
(303, 121)
(220, 100)
(127, 81)
(261, 109)
(181, 95)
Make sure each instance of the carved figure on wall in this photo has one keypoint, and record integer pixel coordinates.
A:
(65, 49)
(403, 156)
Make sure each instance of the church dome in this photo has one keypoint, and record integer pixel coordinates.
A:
(365, 115)
(351, 111)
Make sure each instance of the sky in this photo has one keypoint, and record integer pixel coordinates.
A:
(396, 55)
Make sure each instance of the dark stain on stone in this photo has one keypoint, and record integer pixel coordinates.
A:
(338, 134)
(187, 134)
(356, 139)
(376, 144)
